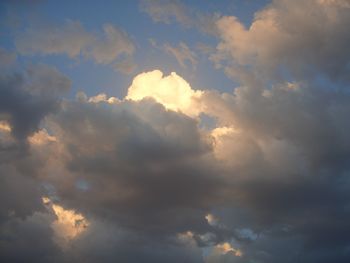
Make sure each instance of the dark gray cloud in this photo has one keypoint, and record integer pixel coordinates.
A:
(126, 245)
(144, 165)
(27, 98)
(28, 240)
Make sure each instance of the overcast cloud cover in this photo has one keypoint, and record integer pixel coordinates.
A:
(172, 172)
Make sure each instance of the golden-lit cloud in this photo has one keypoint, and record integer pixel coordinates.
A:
(41, 137)
(223, 131)
(68, 224)
(212, 220)
(102, 97)
(5, 127)
(221, 137)
(226, 247)
(172, 91)
(187, 238)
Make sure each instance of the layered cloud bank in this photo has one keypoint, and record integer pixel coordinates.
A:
(148, 178)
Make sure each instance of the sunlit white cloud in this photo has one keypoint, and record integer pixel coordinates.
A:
(172, 91)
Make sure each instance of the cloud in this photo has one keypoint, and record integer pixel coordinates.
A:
(143, 168)
(182, 53)
(31, 236)
(70, 39)
(73, 40)
(7, 58)
(170, 11)
(286, 39)
(166, 11)
(26, 99)
(171, 91)
(126, 66)
(68, 226)
(115, 44)
(268, 183)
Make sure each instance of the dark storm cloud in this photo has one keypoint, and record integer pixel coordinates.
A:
(28, 240)
(26, 99)
(145, 166)
(106, 242)
(151, 171)
(292, 170)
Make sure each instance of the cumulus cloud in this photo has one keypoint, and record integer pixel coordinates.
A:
(138, 179)
(142, 167)
(172, 91)
(286, 38)
(26, 99)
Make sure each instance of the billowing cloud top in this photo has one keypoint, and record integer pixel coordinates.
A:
(171, 91)
(172, 172)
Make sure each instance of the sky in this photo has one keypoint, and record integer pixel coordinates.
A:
(175, 131)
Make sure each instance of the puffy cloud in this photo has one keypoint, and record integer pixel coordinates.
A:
(269, 183)
(171, 91)
(27, 99)
(31, 237)
(124, 134)
(286, 38)
(140, 167)
(147, 169)
(68, 225)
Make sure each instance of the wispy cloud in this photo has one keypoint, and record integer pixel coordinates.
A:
(75, 41)
(170, 11)
(182, 53)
